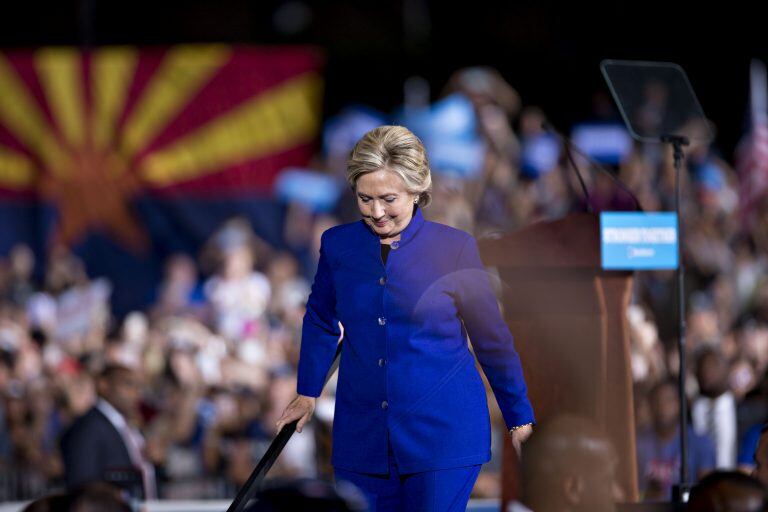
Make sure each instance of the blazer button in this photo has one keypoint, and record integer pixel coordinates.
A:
(384, 404)
(382, 280)
(381, 362)
(382, 320)
(395, 245)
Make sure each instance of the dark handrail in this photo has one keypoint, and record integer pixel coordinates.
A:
(253, 484)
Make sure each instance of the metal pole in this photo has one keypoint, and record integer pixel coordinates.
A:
(680, 491)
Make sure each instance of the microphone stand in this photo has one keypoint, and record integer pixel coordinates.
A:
(680, 492)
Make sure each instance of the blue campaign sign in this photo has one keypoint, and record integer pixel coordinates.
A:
(638, 241)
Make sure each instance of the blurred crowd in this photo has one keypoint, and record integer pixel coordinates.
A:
(213, 358)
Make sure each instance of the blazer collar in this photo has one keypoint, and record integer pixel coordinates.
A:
(417, 220)
(112, 414)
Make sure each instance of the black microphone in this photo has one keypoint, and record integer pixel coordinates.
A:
(569, 146)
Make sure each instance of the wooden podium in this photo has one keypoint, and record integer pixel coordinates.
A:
(567, 316)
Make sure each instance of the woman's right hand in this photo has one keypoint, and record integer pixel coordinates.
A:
(300, 408)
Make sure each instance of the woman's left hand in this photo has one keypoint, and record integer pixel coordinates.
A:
(519, 436)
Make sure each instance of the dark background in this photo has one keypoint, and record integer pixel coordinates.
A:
(549, 52)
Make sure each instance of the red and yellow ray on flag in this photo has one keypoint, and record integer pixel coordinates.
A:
(90, 131)
(17, 171)
(269, 123)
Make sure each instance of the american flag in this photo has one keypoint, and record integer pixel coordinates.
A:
(752, 152)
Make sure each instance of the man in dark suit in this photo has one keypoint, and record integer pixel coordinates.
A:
(102, 445)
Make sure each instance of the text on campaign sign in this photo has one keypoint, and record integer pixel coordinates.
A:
(638, 241)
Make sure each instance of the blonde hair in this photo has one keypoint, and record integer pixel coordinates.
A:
(397, 149)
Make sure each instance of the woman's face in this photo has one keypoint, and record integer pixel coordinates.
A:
(384, 202)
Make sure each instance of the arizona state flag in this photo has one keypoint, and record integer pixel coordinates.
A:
(129, 154)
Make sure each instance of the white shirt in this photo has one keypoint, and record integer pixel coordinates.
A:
(716, 418)
(238, 302)
(516, 506)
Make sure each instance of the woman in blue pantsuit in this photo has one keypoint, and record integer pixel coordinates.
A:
(411, 425)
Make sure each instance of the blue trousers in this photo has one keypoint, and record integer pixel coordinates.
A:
(444, 490)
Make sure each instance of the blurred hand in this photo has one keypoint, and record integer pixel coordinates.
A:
(300, 408)
(185, 369)
(519, 436)
(494, 123)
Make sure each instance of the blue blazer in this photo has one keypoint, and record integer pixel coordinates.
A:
(406, 370)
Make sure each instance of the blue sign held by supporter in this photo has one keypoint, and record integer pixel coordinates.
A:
(316, 190)
(539, 155)
(607, 143)
(448, 129)
(638, 241)
(342, 131)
